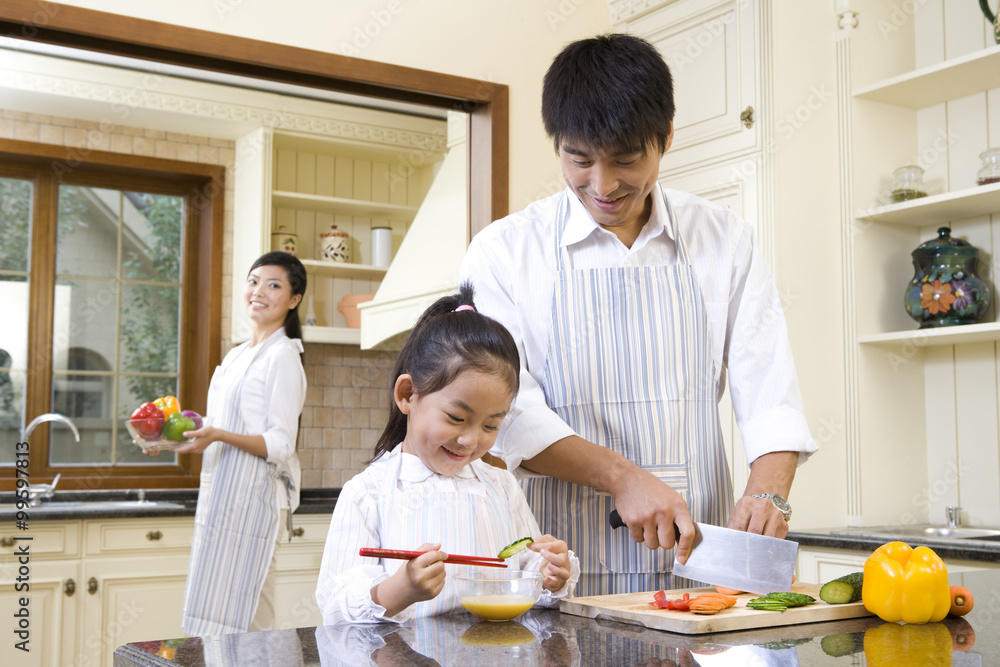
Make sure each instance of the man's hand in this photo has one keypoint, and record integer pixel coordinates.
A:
(758, 515)
(770, 473)
(650, 509)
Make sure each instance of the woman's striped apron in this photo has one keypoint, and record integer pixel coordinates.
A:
(474, 524)
(236, 522)
(629, 367)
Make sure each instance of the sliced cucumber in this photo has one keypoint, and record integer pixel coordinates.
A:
(843, 589)
(514, 547)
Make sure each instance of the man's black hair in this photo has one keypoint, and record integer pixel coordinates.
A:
(613, 92)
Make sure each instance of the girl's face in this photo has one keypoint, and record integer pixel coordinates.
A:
(268, 296)
(450, 428)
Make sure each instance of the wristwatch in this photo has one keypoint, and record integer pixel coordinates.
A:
(779, 501)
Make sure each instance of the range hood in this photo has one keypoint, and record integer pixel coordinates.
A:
(425, 267)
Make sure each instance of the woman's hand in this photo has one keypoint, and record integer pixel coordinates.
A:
(555, 572)
(203, 437)
(422, 578)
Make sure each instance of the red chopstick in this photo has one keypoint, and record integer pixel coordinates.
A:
(401, 554)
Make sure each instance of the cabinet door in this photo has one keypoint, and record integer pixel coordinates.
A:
(52, 613)
(711, 48)
(131, 600)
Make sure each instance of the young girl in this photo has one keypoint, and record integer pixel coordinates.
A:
(427, 489)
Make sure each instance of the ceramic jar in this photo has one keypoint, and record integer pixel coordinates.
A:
(946, 288)
(335, 245)
(286, 241)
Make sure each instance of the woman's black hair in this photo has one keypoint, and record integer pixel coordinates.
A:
(296, 279)
(613, 92)
(445, 342)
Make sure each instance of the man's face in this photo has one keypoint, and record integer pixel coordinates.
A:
(614, 186)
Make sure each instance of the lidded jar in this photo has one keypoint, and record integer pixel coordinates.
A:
(908, 183)
(946, 289)
(335, 245)
(990, 171)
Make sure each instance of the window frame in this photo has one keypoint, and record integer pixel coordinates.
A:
(203, 189)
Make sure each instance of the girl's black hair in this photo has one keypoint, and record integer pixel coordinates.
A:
(296, 279)
(444, 343)
(613, 92)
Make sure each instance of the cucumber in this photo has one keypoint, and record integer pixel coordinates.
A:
(514, 547)
(845, 643)
(843, 589)
(780, 601)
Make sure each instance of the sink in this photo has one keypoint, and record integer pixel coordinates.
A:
(927, 532)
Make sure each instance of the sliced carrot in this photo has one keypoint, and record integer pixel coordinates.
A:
(728, 591)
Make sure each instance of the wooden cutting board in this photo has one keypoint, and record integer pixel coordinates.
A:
(634, 608)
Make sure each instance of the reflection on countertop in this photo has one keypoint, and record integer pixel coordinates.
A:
(547, 637)
(126, 504)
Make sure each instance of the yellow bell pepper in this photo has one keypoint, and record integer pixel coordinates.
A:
(168, 405)
(906, 584)
(896, 645)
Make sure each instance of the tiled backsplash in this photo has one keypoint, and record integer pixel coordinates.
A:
(348, 395)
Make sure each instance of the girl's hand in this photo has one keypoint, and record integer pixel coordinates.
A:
(420, 579)
(555, 573)
(203, 437)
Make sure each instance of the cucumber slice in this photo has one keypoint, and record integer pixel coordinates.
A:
(514, 547)
(843, 589)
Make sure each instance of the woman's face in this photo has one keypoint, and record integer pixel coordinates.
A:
(452, 427)
(268, 296)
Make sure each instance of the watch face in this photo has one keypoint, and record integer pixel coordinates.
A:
(781, 503)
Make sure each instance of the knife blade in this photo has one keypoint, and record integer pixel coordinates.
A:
(735, 559)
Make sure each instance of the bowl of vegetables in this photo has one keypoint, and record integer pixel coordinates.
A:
(498, 595)
(162, 424)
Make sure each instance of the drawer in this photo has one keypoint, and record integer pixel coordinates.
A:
(308, 531)
(123, 536)
(55, 539)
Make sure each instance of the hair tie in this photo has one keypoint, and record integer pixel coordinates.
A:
(464, 306)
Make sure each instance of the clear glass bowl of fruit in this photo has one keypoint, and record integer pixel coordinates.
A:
(162, 424)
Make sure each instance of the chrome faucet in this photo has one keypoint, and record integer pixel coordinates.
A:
(36, 492)
(954, 515)
(49, 417)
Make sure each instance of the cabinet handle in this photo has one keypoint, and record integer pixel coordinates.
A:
(154, 535)
(6, 542)
(747, 117)
(92, 585)
(298, 532)
(69, 587)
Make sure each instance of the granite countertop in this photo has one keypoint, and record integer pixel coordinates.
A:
(548, 637)
(70, 505)
(867, 540)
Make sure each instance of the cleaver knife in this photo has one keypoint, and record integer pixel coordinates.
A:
(735, 559)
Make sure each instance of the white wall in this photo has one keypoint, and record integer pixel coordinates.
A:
(510, 42)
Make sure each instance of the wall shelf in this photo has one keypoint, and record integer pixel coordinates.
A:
(937, 209)
(340, 205)
(344, 269)
(341, 335)
(963, 334)
(950, 80)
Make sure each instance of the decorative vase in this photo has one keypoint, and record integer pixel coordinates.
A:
(946, 289)
(992, 18)
(335, 245)
(284, 240)
(348, 307)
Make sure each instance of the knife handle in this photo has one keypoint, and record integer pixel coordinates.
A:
(615, 519)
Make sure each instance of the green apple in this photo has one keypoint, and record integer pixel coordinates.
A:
(175, 427)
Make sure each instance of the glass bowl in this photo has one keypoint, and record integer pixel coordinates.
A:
(500, 595)
(158, 440)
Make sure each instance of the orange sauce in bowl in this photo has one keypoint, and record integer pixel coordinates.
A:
(498, 607)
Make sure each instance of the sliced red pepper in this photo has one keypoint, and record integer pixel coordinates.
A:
(660, 595)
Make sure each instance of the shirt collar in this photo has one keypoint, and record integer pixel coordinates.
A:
(412, 469)
(581, 225)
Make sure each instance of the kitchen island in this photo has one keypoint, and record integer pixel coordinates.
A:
(548, 637)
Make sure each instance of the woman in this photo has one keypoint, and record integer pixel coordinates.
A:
(249, 470)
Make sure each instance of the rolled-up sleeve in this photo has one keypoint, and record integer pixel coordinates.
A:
(285, 392)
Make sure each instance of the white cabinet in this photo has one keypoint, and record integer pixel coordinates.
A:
(714, 50)
(304, 183)
(818, 566)
(98, 584)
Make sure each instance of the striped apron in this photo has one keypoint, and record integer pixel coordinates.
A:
(629, 367)
(236, 522)
(474, 524)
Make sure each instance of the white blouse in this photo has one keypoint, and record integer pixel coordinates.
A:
(343, 591)
(512, 265)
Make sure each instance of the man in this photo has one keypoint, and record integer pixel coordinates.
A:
(630, 304)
